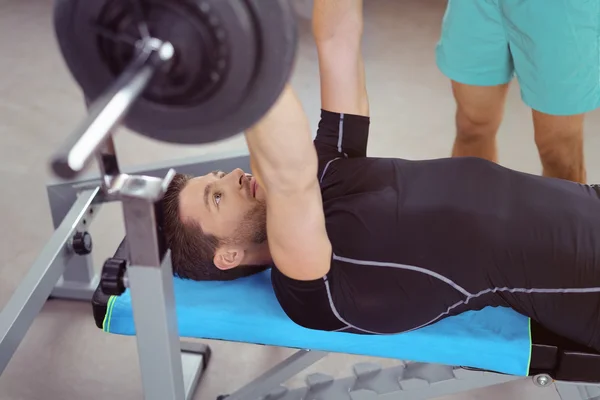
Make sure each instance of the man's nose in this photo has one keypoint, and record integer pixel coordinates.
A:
(237, 175)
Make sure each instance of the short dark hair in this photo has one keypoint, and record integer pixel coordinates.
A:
(193, 250)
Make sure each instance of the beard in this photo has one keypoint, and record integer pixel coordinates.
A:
(253, 228)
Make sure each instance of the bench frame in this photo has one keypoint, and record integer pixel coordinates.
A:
(61, 274)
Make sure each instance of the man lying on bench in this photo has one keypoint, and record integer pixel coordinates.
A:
(383, 245)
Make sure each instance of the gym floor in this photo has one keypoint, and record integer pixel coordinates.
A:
(64, 355)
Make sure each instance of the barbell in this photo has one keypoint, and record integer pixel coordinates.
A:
(179, 71)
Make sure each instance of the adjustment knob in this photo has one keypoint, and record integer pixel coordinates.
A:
(113, 271)
(82, 243)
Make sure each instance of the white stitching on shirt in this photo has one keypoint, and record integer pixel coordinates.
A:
(469, 296)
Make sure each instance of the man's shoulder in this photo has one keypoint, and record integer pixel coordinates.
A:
(342, 177)
(279, 279)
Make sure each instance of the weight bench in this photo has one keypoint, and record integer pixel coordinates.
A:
(471, 350)
(217, 310)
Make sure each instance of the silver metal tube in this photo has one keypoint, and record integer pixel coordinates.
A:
(150, 280)
(109, 109)
(157, 336)
(31, 295)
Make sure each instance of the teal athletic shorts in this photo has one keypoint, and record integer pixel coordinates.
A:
(552, 46)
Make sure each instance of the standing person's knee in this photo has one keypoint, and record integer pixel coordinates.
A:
(555, 149)
(474, 124)
(479, 112)
(559, 140)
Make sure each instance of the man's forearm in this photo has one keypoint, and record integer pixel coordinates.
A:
(337, 18)
(282, 153)
(338, 29)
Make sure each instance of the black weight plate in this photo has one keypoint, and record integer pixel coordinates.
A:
(231, 107)
(201, 47)
(176, 124)
(277, 30)
(177, 120)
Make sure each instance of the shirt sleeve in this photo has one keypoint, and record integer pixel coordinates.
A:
(341, 136)
(305, 302)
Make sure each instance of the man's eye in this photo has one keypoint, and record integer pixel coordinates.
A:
(217, 197)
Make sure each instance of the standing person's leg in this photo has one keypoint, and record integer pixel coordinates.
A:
(559, 139)
(555, 47)
(479, 112)
(473, 52)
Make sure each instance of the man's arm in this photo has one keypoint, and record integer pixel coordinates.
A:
(282, 154)
(284, 161)
(344, 127)
(337, 29)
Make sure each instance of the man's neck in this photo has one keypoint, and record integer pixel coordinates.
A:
(258, 254)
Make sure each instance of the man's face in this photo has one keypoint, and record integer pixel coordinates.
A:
(229, 206)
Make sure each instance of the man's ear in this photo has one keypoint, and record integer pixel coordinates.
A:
(228, 257)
